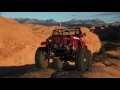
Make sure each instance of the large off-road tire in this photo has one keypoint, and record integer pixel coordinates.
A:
(41, 58)
(57, 64)
(90, 61)
(81, 60)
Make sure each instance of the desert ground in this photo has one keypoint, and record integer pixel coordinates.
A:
(19, 42)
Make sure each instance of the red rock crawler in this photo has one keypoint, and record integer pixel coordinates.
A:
(64, 45)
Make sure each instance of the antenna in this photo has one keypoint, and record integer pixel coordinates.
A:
(60, 24)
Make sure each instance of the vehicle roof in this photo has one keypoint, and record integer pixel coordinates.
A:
(67, 29)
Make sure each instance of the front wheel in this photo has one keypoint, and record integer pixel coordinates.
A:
(41, 58)
(81, 60)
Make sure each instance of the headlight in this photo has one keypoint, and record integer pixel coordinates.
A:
(49, 40)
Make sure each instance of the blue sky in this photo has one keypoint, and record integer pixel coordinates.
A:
(65, 16)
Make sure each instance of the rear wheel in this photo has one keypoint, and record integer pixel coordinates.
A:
(41, 58)
(57, 64)
(81, 60)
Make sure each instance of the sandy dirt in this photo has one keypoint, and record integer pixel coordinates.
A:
(105, 65)
(17, 43)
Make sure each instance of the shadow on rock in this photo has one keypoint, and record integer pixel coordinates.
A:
(15, 71)
(67, 74)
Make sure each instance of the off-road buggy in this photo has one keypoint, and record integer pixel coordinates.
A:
(64, 45)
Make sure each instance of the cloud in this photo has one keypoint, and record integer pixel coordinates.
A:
(115, 16)
(79, 16)
(118, 17)
(108, 13)
(114, 20)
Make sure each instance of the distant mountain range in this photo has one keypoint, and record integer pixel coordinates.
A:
(73, 22)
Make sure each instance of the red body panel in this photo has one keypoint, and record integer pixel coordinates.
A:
(74, 38)
(82, 42)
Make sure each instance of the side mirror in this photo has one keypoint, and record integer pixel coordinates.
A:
(85, 34)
